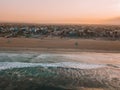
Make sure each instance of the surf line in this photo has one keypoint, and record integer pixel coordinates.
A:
(11, 65)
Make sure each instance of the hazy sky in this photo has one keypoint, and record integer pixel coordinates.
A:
(59, 11)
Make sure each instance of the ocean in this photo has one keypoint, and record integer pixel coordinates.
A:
(59, 71)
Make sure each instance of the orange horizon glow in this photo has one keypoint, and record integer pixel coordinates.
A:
(60, 11)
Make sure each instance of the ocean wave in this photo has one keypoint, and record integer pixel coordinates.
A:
(10, 65)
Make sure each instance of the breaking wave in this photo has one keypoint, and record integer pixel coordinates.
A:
(9, 65)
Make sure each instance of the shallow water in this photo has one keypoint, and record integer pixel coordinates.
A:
(83, 60)
(99, 58)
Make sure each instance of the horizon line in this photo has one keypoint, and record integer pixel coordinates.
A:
(58, 23)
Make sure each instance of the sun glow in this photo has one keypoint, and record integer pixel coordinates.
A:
(59, 11)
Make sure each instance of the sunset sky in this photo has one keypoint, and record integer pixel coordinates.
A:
(60, 11)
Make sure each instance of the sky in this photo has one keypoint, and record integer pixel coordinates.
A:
(60, 11)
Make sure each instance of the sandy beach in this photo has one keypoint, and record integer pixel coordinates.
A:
(57, 44)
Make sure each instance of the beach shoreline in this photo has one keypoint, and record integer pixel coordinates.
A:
(87, 52)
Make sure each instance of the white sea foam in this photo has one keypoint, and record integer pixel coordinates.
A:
(10, 65)
(18, 60)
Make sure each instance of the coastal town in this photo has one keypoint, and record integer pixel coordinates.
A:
(109, 32)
